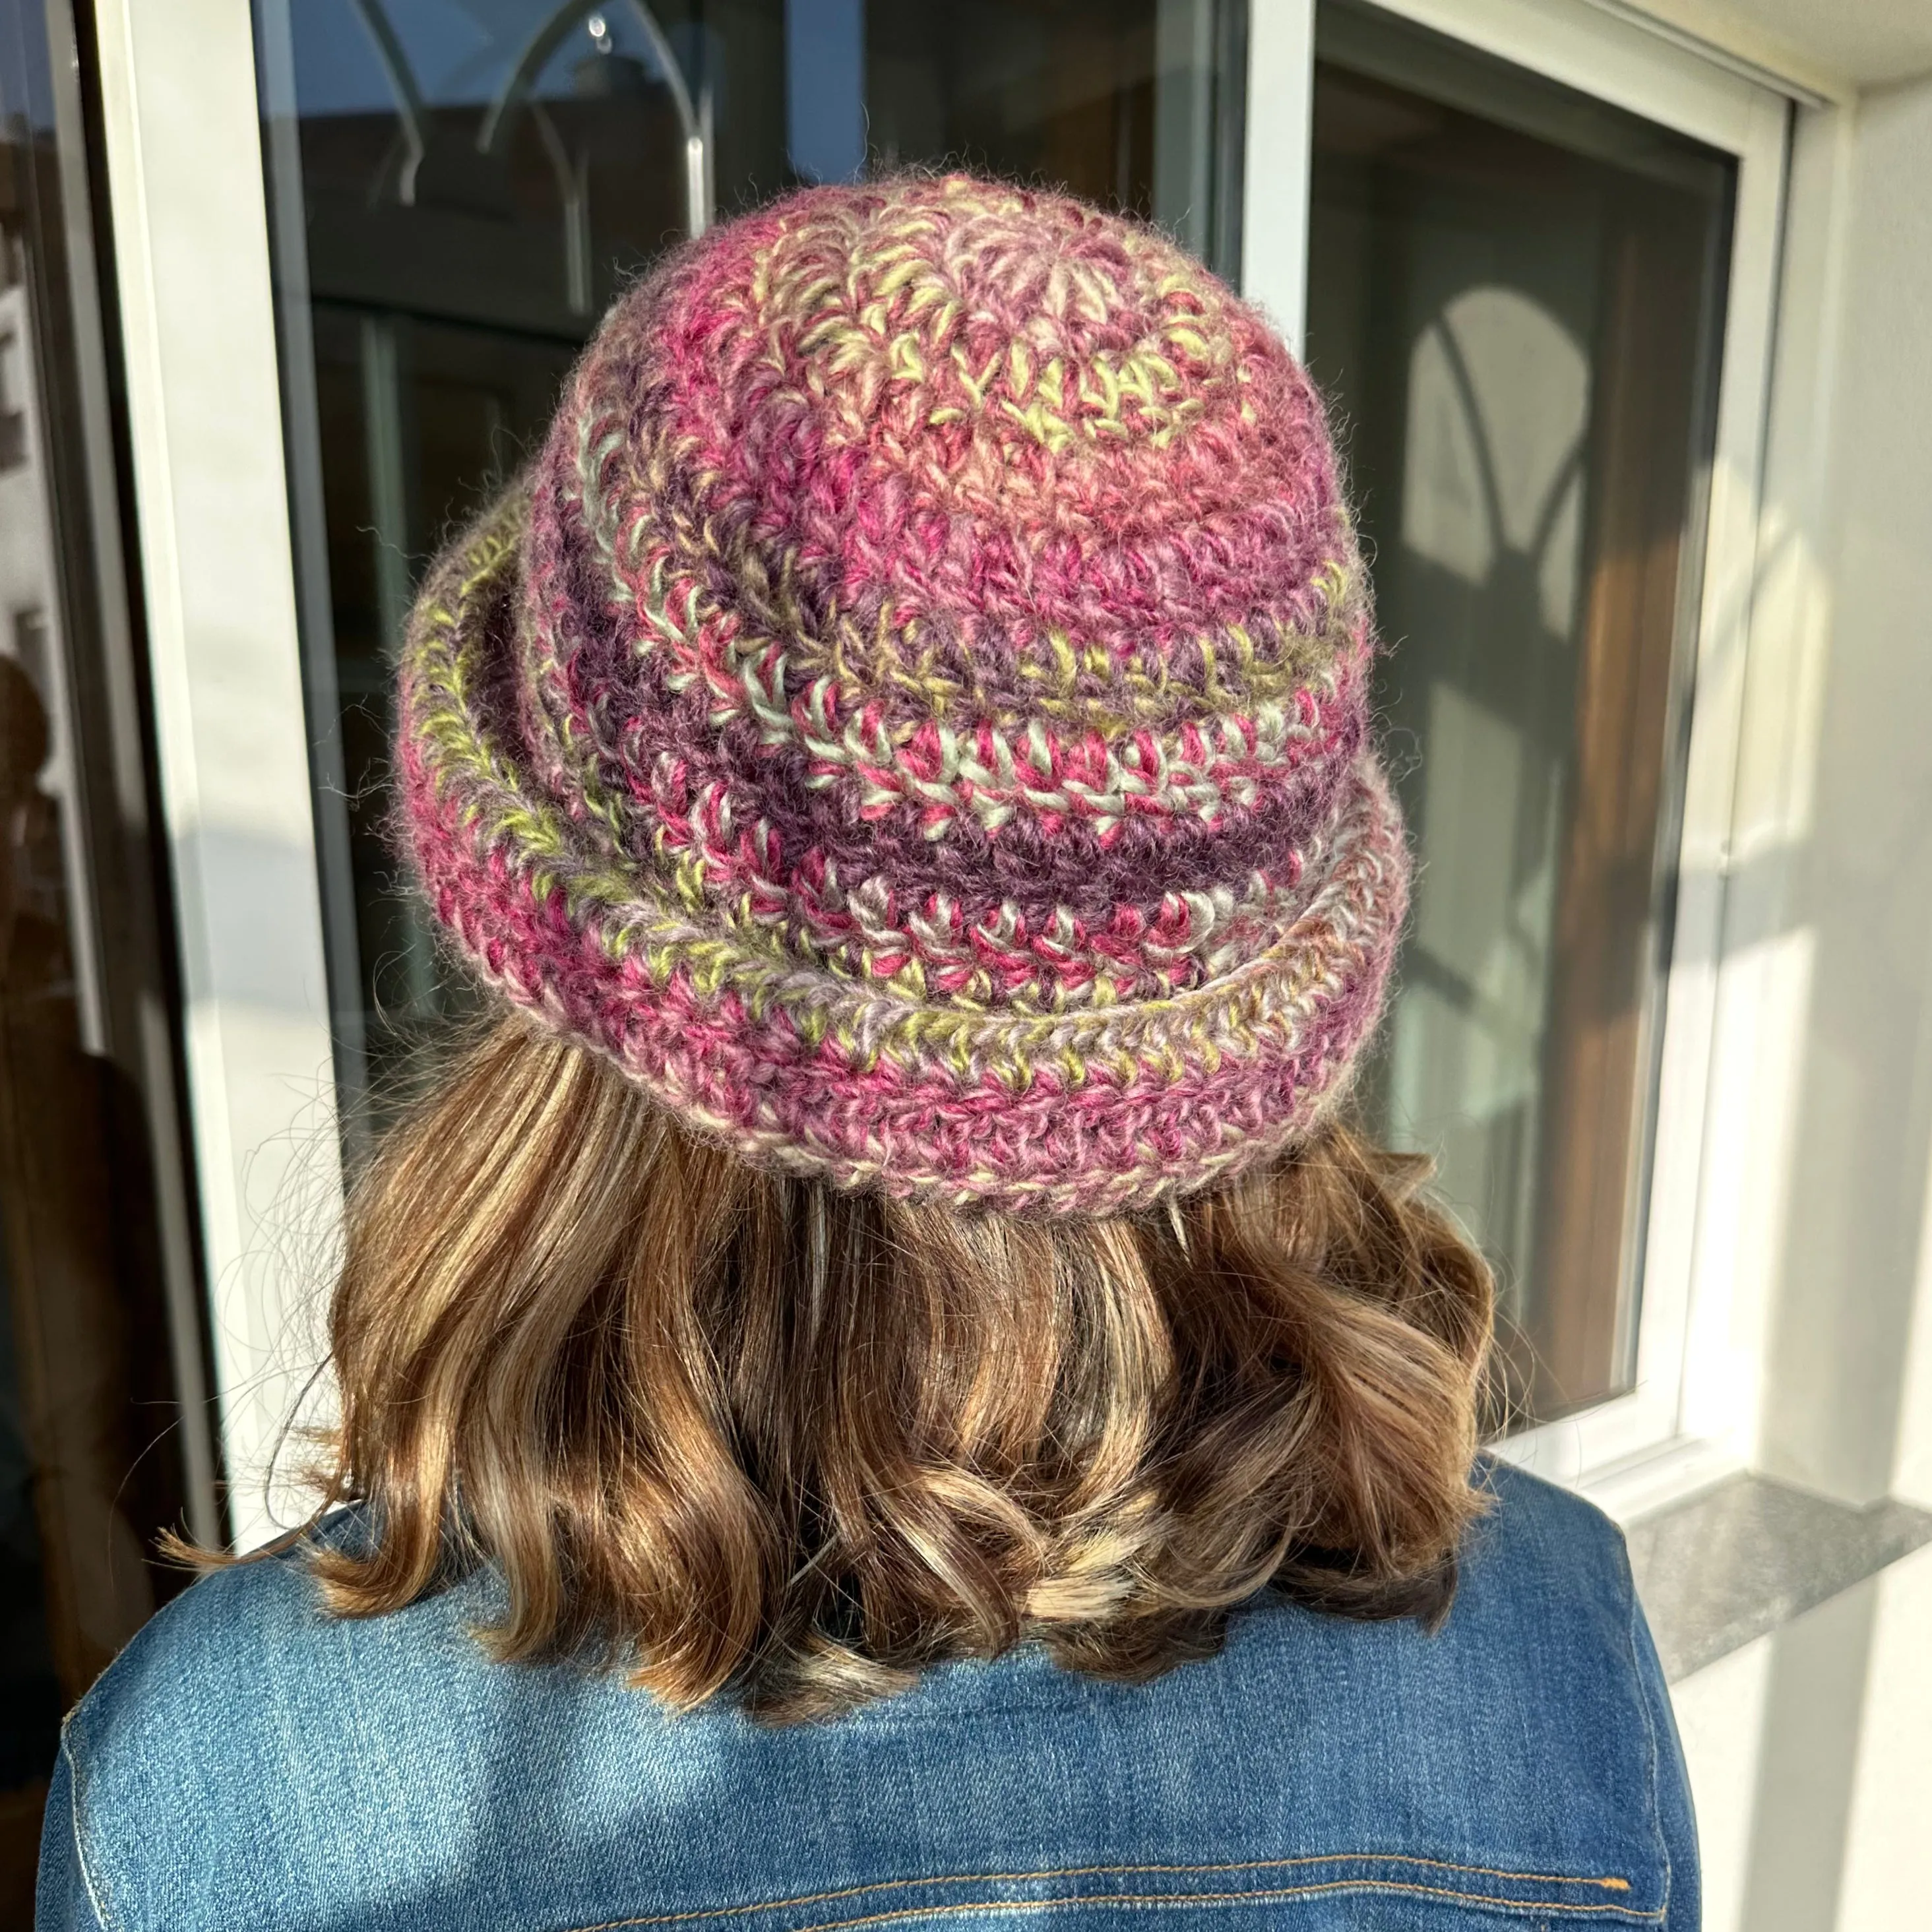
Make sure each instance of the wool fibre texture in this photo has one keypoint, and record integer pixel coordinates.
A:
(912, 717)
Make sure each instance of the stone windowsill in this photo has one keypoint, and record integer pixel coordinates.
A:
(1727, 1565)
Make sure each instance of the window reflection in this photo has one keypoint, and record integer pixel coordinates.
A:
(1515, 296)
(1497, 402)
(460, 188)
(104, 1439)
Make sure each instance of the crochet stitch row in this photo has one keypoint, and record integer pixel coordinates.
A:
(913, 719)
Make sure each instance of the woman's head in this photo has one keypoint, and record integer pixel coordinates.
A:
(904, 749)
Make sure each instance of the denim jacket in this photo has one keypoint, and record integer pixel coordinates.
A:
(249, 1763)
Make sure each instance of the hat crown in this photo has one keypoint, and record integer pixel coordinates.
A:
(998, 425)
(913, 716)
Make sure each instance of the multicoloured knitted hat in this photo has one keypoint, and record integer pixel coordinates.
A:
(912, 719)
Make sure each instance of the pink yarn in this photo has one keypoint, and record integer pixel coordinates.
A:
(913, 719)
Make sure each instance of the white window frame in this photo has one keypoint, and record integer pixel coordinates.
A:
(181, 128)
(1689, 1418)
(182, 133)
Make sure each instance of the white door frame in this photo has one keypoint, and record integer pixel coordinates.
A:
(1689, 1418)
(182, 131)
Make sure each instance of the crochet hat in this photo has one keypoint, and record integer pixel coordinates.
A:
(912, 717)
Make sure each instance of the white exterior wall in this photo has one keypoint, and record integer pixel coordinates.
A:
(1847, 1407)
(1810, 1749)
(1811, 1756)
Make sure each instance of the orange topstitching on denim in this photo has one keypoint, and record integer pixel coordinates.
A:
(1605, 1883)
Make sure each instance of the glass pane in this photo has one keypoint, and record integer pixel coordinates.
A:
(459, 188)
(103, 1437)
(1515, 308)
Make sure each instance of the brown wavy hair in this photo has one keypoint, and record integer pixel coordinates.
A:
(732, 1430)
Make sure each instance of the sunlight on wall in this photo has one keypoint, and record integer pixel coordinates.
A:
(1721, 1719)
(1810, 1758)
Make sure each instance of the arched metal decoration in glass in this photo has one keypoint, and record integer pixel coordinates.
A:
(458, 189)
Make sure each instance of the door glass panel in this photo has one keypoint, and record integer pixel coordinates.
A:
(104, 1426)
(459, 187)
(1515, 308)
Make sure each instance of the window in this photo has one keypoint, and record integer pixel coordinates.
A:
(1543, 249)
(1515, 313)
